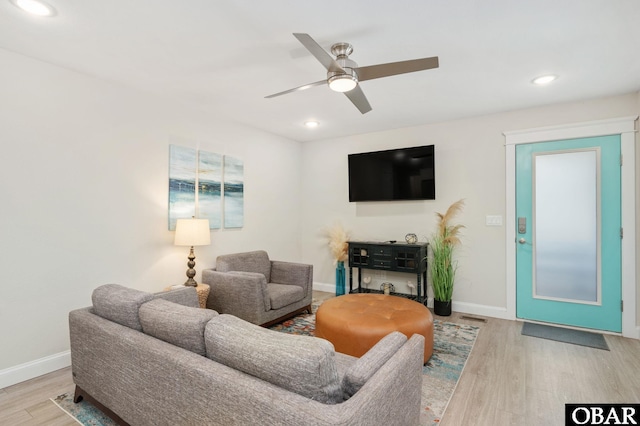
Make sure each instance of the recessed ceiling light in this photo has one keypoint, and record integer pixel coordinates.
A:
(311, 124)
(544, 79)
(35, 7)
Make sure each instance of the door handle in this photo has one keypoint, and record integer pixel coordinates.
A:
(523, 241)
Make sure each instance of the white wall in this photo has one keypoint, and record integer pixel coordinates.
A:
(83, 185)
(470, 164)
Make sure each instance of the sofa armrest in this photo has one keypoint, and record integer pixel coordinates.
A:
(243, 294)
(299, 274)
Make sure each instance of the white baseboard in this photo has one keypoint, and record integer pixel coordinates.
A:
(29, 370)
(484, 310)
(327, 288)
(463, 307)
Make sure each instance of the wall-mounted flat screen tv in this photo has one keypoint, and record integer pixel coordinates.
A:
(393, 175)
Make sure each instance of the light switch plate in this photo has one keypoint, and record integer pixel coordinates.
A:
(494, 220)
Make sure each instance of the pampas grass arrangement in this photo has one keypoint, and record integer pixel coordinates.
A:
(443, 243)
(338, 243)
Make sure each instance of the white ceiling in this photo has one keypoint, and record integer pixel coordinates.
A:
(225, 56)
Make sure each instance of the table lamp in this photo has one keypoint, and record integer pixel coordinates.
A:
(192, 232)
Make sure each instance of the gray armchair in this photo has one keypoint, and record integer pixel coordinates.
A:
(259, 290)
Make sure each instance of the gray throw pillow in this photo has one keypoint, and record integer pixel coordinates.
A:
(367, 365)
(177, 324)
(301, 364)
(119, 304)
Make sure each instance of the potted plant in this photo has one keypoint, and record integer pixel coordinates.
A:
(443, 267)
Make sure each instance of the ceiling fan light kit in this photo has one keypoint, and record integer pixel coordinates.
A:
(344, 75)
(342, 82)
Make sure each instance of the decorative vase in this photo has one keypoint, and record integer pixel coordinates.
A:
(340, 278)
(411, 238)
(442, 308)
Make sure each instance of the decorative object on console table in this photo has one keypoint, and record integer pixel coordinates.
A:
(443, 268)
(338, 243)
(387, 288)
(192, 232)
(411, 238)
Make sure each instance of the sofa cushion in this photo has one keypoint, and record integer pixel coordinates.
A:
(119, 304)
(177, 324)
(367, 365)
(253, 261)
(281, 295)
(300, 364)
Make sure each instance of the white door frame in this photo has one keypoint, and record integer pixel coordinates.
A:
(624, 127)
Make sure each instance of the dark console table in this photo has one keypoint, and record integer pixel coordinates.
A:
(409, 258)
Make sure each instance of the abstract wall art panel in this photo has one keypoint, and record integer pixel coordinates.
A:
(209, 188)
(233, 192)
(182, 184)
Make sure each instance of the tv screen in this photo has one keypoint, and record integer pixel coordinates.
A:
(393, 175)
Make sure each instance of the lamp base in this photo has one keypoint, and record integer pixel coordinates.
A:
(190, 283)
(191, 272)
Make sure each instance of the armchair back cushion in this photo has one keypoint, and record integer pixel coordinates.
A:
(253, 261)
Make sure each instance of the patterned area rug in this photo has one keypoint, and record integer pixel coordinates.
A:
(452, 344)
(451, 348)
(84, 413)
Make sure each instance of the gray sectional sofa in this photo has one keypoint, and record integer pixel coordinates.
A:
(158, 359)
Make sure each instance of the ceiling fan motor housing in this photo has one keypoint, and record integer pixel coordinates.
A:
(347, 79)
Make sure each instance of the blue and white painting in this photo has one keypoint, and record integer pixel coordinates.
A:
(182, 184)
(209, 188)
(233, 192)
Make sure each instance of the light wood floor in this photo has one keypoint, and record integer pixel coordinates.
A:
(509, 379)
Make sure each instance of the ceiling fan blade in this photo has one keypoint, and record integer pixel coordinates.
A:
(359, 99)
(297, 89)
(394, 68)
(316, 50)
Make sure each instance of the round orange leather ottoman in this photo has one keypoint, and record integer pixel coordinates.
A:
(354, 323)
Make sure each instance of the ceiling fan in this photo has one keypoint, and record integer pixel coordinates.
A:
(343, 74)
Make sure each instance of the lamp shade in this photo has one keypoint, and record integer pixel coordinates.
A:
(192, 232)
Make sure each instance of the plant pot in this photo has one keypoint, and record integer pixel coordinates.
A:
(442, 308)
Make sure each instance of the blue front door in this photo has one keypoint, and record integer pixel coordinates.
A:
(568, 232)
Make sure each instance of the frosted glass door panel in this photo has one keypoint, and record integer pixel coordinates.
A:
(566, 225)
